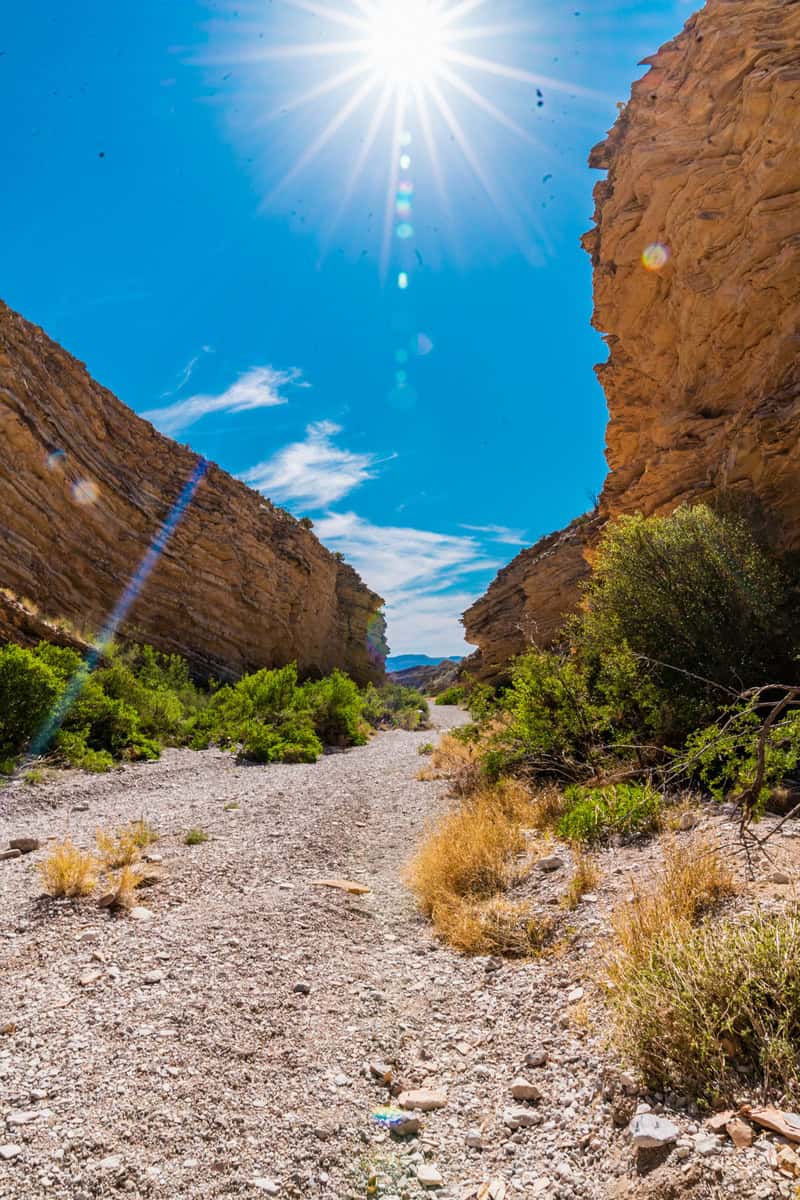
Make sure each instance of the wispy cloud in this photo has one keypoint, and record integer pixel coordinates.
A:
(186, 372)
(260, 387)
(501, 533)
(421, 574)
(313, 473)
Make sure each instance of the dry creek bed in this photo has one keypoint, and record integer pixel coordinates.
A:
(230, 1044)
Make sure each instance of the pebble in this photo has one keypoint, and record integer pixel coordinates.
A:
(425, 1099)
(706, 1144)
(429, 1177)
(522, 1089)
(474, 1139)
(302, 989)
(551, 863)
(140, 913)
(154, 976)
(266, 1185)
(10, 1150)
(536, 1058)
(648, 1131)
(112, 1163)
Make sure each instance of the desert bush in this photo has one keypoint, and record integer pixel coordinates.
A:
(122, 885)
(693, 591)
(124, 846)
(291, 740)
(425, 749)
(451, 695)
(68, 871)
(393, 706)
(29, 688)
(195, 837)
(336, 709)
(712, 1008)
(722, 756)
(595, 813)
(71, 748)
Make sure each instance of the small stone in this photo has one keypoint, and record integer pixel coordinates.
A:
(719, 1121)
(112, 1163)
(7, 855)
(404, 1126)
(521, 1118)
(80, 808)
(551, 863)
(687, 821)
(788, 1161)
(706, 1144)
(90, 977)
(381, 1071)
(154, 976)
(10, 1150)
(740, 1133)
(138, 913)
(779, 877)
(425, 1099)
(649, 1132)
(429, 1177)
(536, 1058)
(522, 1089)
(575, 995)
(25, 845)
(683, 1152)
(302, 989)
(266, 1185)
(474, 1139)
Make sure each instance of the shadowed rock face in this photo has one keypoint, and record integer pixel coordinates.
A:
(240, 585)
(703, 377)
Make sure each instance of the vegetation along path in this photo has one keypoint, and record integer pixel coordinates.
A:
(235, 1037)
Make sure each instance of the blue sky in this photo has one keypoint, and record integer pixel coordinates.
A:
(159, 220)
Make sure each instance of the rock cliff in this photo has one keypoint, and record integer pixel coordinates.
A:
(703, 376)
(85, 484)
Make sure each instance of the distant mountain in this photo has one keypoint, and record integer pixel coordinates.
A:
(401, 662)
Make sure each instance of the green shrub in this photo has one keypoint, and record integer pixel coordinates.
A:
(395, 707)
(482, 701)
(722, 756)
(72, 749)
(29, 688)
(291, 740)
(451, 695)
(552, 718)
(196, 837)
(713, 1009)
(693, 591)
(595, 813)
(336, 709)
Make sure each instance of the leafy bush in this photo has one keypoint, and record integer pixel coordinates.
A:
(451, 695)
(336, 706)
(595, 813)
(722, 756)
(290, 740)
(195, 837)
(395, 707)
(29, 689)
(694, 593)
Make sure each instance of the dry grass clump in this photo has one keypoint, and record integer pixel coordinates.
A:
(585, 878)
(548, 807)
(472, 855)
(124, 847)
(494, 926)
(692, 880)
(122, 887)
(68, 871)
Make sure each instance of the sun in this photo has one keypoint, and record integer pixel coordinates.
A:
(406, 41)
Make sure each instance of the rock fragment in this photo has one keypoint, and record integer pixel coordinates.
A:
(424, 1099)
(523, 1089)
(649, 1132)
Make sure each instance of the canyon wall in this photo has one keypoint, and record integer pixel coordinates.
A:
(703, 376)
(85, 485)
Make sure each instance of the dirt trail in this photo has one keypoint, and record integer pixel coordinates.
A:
(222, 1047)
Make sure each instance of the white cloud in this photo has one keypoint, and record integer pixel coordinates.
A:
(420, 573)
(501, 533)
(313, 473)
(260, 387)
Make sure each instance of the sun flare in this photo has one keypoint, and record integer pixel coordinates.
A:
(406, 41)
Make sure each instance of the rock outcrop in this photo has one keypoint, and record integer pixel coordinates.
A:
(703, 376)
(85, 485)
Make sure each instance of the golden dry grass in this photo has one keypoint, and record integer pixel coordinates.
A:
(68, 871)
(122, 886)
(493, 926)
(465, 863)
(584, 879)
(692, 879)
(548, 805)
(124, 847)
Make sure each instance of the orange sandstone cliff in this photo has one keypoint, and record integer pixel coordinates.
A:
(703, 376)
(84, 486)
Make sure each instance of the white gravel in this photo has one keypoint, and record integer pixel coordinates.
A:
(224, 1047)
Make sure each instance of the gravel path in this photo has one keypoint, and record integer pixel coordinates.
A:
(223, 1047)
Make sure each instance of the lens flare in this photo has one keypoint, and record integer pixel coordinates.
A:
(402, 281)
(405, 231)
(655, 256)
(55, 460)
(85, 491)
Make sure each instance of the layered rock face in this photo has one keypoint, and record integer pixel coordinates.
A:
(703, 377)
(85, 485)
